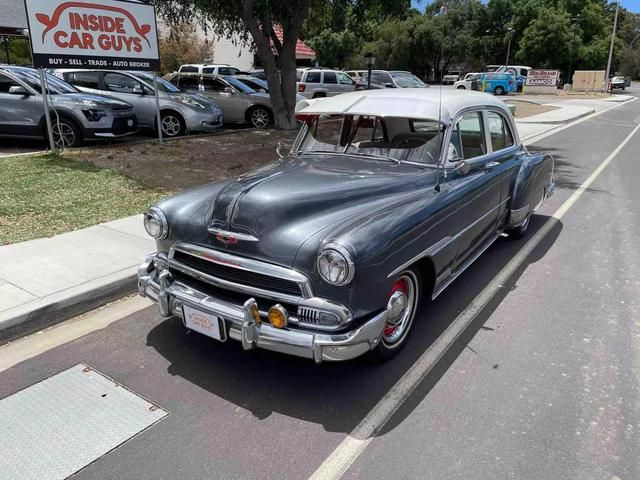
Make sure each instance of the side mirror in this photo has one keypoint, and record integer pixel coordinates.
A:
(229, 91)
(18, 90)
(262, 90)
(138, 90)
(461, 167)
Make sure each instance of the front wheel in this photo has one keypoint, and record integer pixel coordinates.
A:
(402, 307)
(499, 91)
(461, 87)
(172, 125)
(65, 133)
(520, 231)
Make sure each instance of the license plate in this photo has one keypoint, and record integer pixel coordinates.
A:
(204, 323)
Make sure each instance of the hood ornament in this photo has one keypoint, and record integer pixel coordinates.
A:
(231, 238)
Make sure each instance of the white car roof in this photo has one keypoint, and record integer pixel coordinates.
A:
(423, 103)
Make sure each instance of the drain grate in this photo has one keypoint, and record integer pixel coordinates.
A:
(54, 428)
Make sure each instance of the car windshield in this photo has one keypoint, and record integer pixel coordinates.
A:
(255, 83)
(399, 139)
(32, 78)
(239, 85)
(407, 80)
(163, 85)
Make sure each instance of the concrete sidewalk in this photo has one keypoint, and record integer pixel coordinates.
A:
(46, 280)
(51, 279)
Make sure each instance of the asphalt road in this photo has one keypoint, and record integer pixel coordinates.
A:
(543, 384)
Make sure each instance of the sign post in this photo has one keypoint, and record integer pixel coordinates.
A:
(47, 112)
(92, 34)
(158, 115)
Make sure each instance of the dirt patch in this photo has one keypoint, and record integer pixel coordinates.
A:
(528, 109)
(189, 162)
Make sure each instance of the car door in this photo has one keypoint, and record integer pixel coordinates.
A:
(506, 156)
(478, 190)
(131, 90)
(20, 113)
(330, 82)
(232, 103)
(346, 83)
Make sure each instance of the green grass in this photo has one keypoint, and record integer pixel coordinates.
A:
(44, 195)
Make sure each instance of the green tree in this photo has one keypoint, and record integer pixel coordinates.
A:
(19, 51)
(183, 45)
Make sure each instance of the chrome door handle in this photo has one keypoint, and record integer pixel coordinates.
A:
(492, 164)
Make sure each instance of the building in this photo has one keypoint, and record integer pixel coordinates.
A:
(233, 51)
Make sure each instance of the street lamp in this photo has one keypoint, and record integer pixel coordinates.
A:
(510, 31)
(370, 58)
(573, 46)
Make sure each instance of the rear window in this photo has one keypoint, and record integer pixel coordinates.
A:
(83, 79)
(188, 83)
(313, 77)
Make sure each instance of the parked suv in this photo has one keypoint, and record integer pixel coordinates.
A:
(220, 69)
(76, 116)
(181, 112)
(390, 79)
(315, 83)
(239, 102)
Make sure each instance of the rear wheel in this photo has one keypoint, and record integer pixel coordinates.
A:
(66, 133)
(461, 87)
(402, 306)
(319, 95)
(260, 117)
(499, 90)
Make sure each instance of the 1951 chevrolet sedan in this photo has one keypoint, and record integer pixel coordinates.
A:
(385, 198)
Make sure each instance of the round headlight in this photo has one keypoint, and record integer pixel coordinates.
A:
(335, 265)
(155, 223)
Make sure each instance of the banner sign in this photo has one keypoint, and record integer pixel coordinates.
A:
(542, 78)
(108, 34)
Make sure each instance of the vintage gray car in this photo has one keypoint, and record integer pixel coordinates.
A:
(385, 198)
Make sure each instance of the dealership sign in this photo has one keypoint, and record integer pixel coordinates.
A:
(542, 78)
(93, 34)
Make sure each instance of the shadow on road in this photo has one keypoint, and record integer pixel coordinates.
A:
(338, 396)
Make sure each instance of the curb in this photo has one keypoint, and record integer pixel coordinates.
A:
(44, 312)
(562, 122)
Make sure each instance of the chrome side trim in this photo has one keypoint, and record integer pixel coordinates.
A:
(441, 244)
(247, 264)
(465, 266)
(238, 236)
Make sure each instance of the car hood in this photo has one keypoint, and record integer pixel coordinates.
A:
(101, 101)
(287, 202)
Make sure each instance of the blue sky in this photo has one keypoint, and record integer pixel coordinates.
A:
(633, 5)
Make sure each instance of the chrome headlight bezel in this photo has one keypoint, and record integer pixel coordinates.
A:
(154, 214)
(340, 253)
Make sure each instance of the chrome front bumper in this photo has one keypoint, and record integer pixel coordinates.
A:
(171, 296)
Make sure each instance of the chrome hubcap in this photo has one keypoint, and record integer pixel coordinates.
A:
(63, 135)
(400, 309)
(260, 118)
(171, 125)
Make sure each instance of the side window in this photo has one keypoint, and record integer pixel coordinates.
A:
(344, 79)
(299, 75)
(209, 70)
(213, 85)
(84, 79)
(117, 82)
(467, 138)
(501, 136)
(188, 69)
(188, 82)
(6, 83)
(330, 77)
(313, 77)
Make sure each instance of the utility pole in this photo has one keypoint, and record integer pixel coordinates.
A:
(510, 31)
(613, 40)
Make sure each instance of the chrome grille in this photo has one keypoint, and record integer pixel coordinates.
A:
(309, 315)
(229, 272)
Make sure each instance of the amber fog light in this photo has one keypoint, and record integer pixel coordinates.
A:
(278, 316)
(255, 312)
